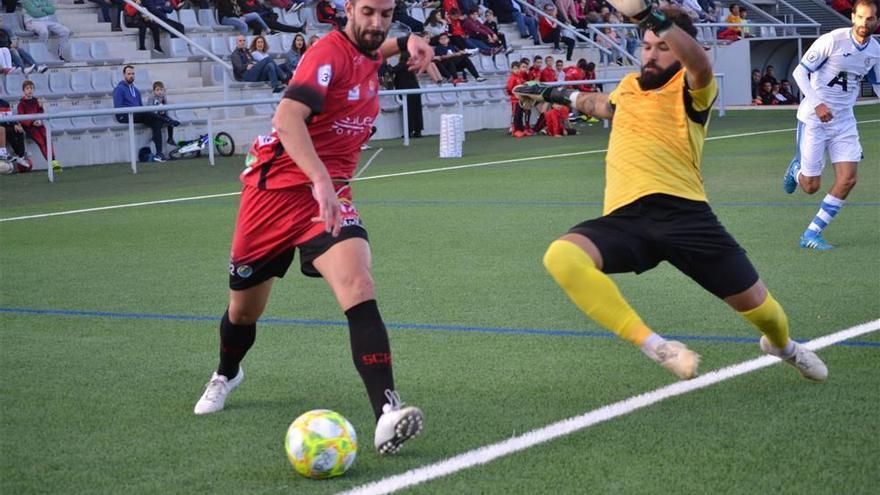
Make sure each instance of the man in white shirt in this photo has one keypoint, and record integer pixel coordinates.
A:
(829, 77)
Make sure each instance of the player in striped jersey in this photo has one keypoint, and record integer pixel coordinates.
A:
(830, 76)
(655, 205)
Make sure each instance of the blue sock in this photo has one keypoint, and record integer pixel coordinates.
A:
(827, 211)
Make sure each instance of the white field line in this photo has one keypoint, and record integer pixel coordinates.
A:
(488, 453)
(384, 176)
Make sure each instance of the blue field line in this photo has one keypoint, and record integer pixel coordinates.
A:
(398, 326)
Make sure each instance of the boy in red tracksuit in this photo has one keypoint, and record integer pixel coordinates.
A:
(535, 70)
(516, 78)
(34, 129)
(548, 74)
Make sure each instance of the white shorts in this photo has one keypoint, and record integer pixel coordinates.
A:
(840, 139)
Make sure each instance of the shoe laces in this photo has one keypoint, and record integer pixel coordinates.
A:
(215, 388)
(394, 403)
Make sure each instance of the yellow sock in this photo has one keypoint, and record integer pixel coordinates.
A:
(593, 291)
(770, 319)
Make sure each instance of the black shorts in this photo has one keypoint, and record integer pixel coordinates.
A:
(659, 227)
(246, 276)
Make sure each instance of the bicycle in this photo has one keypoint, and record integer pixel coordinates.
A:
(223, 144)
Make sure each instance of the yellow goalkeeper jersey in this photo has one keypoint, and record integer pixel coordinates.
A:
(656, 142)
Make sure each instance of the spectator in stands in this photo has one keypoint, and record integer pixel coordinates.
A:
(230, 14)
(566, 11)
(610, 42)
(12, 133)
(159, 99)
(580, 14)
(246, 68)
(756, 83)
(259, 50)
(509, 11)
(401, 15)
(550, 30)
(10, 5)
(6, 66)
(769, 76)
(134, 19)
(294, 54)
(732, 33)
(327, 14)
(110, 12)
(435, 25)
(269, 18)
(491, 22)
(406, 79)
(765, 94)
(34, 129)
(161, 10)
(785, 91)
(475, 30)
(312, 40)
(549, 73)
(746, 32)
(39, 18)
(127, 95)
(450, 60)
(459, 38)
(560, 70)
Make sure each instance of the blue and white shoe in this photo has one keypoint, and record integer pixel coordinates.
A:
(789, 180)
(815, 241)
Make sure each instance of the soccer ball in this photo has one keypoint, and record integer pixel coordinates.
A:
(321, 444)
(6, 167)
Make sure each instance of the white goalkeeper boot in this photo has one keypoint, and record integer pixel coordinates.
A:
(397, 424)
(216, 391)
(805, 361)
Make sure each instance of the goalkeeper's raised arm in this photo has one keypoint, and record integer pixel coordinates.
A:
(668, 44)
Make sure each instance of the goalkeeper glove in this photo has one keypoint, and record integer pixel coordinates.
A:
(643, 11)
(532, 93)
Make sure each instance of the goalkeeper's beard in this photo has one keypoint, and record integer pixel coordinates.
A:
(654, 80)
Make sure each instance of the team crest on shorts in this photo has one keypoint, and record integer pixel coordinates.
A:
(244, 271)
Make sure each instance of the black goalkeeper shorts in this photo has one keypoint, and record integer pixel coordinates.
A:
(686, 233)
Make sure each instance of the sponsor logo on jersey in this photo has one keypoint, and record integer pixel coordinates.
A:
(354, 93)
(325, 72)
(244, 271)
(352, 126)
(812, 57)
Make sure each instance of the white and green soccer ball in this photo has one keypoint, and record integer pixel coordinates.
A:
(321, 444)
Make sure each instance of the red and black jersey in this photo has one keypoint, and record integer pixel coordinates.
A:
(548, 74)
(534, 74)
(340, 85)
(513, 81)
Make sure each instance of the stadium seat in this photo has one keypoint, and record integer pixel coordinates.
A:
(274, 42)
(188, 18)
(79, 51)
(59, 84)
(263, 109)
(220, 46)
(208, 19)
(81, 84)
(432, 99)
(41, 85)
(41, 54)
(107, 122)
(80, 125)
(389, 103)
(102, 80)
(101, 54)
(13, 83)
(418, 13)
(204, 43)
(62, 125)
(502, 64)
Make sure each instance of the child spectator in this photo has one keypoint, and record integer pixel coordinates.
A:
(535, 71)
(13, 134)
(491, 22)
(451, 61)
(515, 79)
(548, 74)
(34, 129)
(159, 99)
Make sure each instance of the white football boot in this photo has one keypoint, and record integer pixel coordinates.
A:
(397, 424)
(805, 361)
(216, 391)
(675, 357)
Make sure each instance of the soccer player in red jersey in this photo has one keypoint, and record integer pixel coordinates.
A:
(296, 194)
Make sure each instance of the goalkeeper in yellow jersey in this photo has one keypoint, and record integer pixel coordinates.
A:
(655, 206)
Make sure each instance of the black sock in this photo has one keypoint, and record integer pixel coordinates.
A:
(235, 340)
(370, 351)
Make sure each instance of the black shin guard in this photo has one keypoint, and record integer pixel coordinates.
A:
(370, 351)
(235, 340)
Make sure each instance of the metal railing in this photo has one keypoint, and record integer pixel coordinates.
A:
(130, 111)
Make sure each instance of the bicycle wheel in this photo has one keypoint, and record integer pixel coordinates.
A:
(224, 144)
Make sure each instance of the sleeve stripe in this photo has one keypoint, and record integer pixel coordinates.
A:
(809, 70)
(306, 95)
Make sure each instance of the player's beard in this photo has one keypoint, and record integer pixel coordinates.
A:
(368, 40)
(654, 80)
